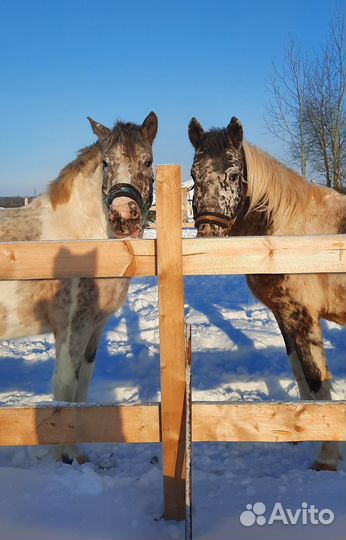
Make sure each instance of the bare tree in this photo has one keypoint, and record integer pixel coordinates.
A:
(324, 110)
(307, 110)
(285, 111)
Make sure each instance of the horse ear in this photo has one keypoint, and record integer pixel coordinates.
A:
(100, 130)
(195, 132)
(149, 127)
(235, 131)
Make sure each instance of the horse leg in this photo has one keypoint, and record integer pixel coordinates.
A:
(88, 364)
(304, 391)
(70, 348)
(65, 379)
(305, 334)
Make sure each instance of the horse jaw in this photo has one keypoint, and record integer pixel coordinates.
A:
(210, 230)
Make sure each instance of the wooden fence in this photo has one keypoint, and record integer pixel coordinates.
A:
(170, 258)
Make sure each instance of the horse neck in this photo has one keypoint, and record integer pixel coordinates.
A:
(83, 215)
(254, 223)
(282, 202)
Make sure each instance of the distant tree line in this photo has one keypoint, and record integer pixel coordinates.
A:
(14, 202)
(306, 110)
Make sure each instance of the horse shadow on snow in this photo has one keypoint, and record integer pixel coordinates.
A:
(129, 370)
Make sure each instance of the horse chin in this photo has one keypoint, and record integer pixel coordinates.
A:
(127, 230)
(120, 235)
(210, 230)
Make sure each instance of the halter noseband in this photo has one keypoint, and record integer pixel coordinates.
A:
(214, 218)
(128, 190)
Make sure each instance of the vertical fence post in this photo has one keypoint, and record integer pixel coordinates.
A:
(172, 341)
(188, 401)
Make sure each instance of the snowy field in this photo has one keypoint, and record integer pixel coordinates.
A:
(238, 355)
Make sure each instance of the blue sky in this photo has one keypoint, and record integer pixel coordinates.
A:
(61, 61)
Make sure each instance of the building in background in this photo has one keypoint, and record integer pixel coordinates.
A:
(186, 204)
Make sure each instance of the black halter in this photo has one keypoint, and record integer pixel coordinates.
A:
(128, 190)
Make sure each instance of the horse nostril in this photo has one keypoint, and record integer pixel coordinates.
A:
(134, 210)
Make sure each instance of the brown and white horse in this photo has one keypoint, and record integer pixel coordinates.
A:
(240, 190)
(105, 193)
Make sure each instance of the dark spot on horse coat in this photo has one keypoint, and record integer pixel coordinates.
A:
(91, 350)
(77, 371)
(90, 354)
(342, 225)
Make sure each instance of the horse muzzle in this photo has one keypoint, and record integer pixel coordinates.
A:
(125, 218)
(213, 224)
(126, 210)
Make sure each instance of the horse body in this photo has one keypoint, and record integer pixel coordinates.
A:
(76, 310)
(240, 190)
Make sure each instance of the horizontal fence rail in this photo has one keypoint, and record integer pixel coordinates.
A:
(269, 422)
(82, 258)
(201, 256)
(82, 423)
(211, 422)
(264, 255)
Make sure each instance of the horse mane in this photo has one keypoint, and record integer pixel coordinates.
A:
(127, 134)
(87, 160)
(274, 188)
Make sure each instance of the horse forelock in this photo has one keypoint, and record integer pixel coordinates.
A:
(128, 135)
(87, 161)
(214, 143)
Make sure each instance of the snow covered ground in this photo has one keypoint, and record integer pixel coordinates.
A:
(238, 354)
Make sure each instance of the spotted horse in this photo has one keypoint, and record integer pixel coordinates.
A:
(239, 190)
(104, 193)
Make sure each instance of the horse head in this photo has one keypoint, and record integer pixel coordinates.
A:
(219, 174)
(127, 184)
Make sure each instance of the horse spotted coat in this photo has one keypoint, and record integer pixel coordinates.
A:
(238, 184)
(76, 310)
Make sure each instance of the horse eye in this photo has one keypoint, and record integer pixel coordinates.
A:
(105, 164)
(148, 163)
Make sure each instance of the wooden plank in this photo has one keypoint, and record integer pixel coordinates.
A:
(83, 258)
(264, 255)
(188, 451)
(269, 422)
(172, 346)
(201, 256)
(211, 422)
(79, 424)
